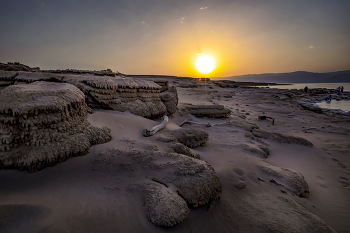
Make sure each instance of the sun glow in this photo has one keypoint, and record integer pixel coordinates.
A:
(205, 64)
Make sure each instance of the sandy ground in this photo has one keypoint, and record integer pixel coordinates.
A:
(92, 193)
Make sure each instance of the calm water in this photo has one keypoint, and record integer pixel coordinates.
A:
(342, 105)
(314, 85)
(334, 104)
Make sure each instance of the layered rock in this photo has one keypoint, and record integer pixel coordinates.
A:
(140, 97)
(210, 111)
(44, 123)
(7, 77)
(170, 99)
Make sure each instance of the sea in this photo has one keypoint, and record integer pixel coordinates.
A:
(343, 105)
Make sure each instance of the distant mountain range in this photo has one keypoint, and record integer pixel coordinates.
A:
(295, 77)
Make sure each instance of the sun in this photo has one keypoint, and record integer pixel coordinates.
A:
(205, 64)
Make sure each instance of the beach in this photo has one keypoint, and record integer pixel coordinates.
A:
(102, 191)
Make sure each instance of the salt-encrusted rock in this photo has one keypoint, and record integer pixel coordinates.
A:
(170, 181)
(210, 111)
(182, 149)
(164, 207)
(29, 77)
(194, 180)
(44, 123)
(281, 138)
(290, 179)
(7, 77)
(170, 99)
(140, 97)
(191, 137)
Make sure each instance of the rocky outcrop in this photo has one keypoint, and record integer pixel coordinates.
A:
(171, 182)
(191, 137)
(170, 99)
(16, 66)
(140, 97)
(44, 123)
(210, 111)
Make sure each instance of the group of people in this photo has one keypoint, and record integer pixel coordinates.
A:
(340, 89)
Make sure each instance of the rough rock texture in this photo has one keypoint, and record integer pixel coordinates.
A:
(182, 149)
(282, 138)
(169, 182)
(191, 137)
(210, 111)
(288, 178)
(7, 77)
(170, 99)
(164, 207)
(44, 123)
(140, 97)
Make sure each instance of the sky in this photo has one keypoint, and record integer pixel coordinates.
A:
(166, 37)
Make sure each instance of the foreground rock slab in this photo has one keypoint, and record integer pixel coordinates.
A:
(210, 111)
(44, 123)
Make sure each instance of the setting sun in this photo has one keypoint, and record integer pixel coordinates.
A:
(205, 64)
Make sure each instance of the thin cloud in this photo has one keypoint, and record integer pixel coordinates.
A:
(143, 21)
(311, 47)
(204, 8)
(182, 20)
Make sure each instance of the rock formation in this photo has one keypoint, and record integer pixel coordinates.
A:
(170, 99)
(171, 182)
(191, 137)
(140, 97)
(281, 138)
(210, 111)
(164, 207)
(44, 123)
(288, 178)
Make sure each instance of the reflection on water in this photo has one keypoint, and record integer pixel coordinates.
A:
(334, 104)
(314, 85)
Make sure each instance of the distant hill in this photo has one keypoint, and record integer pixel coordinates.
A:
(295, 77)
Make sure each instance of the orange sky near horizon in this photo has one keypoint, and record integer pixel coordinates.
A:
(164, 37)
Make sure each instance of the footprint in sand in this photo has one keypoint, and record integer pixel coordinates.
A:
(344, 181)
(339, 163)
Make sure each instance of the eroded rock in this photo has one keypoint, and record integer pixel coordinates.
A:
(281, 138)
(44, 123)
(170, 99)
(290, 179)
(175, 179)
(191, 137)
(210, 111)
(164, 207)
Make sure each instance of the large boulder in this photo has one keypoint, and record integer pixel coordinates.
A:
(170, 182)
(43, 123)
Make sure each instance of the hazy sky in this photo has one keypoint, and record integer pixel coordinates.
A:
(165, 36)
